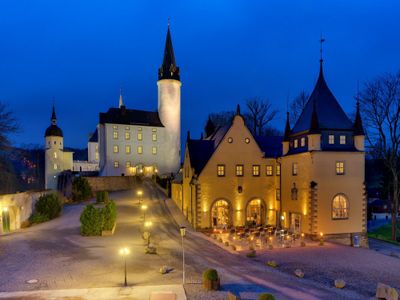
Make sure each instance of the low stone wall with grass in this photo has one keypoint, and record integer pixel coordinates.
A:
(111, 183)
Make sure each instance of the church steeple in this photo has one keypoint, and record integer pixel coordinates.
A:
(358, 126)
(53, 116)
(287, 128)
(169, 69)
(121, 102)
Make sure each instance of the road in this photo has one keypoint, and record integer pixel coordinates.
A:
(57, 256)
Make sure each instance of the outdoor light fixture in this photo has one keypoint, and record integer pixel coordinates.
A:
(282, 217)
(140, 194)
(182, 230)
(5, 209)
(124, 252)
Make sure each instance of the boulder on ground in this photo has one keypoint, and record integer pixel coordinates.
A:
(340, 283)
(299, 273)
(386, 292)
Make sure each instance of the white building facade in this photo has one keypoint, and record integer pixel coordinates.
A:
(134, 141)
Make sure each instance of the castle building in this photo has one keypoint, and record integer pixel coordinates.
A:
(132, 141)
(309, 181)
(56, 158)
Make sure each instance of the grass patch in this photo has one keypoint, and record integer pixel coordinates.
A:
(384, 233)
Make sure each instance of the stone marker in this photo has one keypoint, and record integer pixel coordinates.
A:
(340, 283)
(384, 291)
(299, 273)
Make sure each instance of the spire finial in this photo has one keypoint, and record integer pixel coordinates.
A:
(53, 115)
(121, 102)
(321, 41)
(238, 110)
(169, 22)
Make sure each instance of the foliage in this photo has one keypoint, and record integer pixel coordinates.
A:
(384, 233)
(271, 263)
(260, 114)
(95, 220)
(297, 105)
(81, 190)
(251, 254)
(91, 221)
(38, 218)
(8, 125)
(210, 274)
(102, 197)
(109, 212)
(48, 206)
(266, 296)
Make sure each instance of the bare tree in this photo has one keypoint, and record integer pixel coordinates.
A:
(8, 125)
(380, 102)
(261, 113)
(222, 118)
(297, 105)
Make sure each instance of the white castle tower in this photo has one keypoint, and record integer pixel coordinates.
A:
(56, 160)
(169, 105)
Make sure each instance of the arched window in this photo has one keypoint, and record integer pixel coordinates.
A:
(340, 207)
(220, 213)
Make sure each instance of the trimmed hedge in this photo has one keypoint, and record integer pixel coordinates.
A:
(95, 220)
(46, 208)
(81, 190)
(266, 296)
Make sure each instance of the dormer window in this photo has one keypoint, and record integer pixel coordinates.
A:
(296, 143)
(342, 140)
(331, 139)
(303, 141)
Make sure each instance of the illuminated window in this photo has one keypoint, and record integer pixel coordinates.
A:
(331, 139)
(154, 150)
(139, 149)
(139, 136)
(256, 170)
(55, 166)
(340, 207)
(247, 140)
(339, 168)
(115, 149)
(96, 155)
(296, 143)
(128, 164)
(221, 170)
(154, 129)
(127, 149)
(239, 170)
(115, 135)
(154, 137)
(115, 127)
(278, 170)
(342, 140)
(139, 129)
(294, 169)
(55, 154)
(127, 135)
(278, 194)
(127, 128)
(116, 164)
(303, 141)
(269, 170)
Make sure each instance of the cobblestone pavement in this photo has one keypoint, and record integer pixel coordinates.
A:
(56, 256)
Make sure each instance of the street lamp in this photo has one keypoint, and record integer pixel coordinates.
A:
(140, 194)
(144, 208)
(124, 252)
(148, 224)
(182, 230)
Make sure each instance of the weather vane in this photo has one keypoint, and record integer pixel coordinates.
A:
(321, 40)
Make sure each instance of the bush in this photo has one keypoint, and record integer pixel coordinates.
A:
(210, 274)
(81, 190)
(46, 208)
(109, 212)
(102, 197)
(251, 254)
(265, 296)
(91, 221)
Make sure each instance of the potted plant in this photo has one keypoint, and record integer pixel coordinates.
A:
(211, 280)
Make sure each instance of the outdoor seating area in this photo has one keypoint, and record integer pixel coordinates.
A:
(260, 237)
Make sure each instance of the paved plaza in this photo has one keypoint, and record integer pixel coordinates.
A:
(57, 257)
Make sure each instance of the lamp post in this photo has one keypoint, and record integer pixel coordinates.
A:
(124, 252)
(144, 208)
(140, 194)
(148, 224)
(182, 230)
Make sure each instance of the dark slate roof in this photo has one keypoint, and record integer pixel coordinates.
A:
(53, 130)
(94, 138)
(131, 117)
(200, 152)
(329, 113)
(169, 69)
(270, 145)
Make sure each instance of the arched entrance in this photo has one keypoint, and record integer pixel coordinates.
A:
(220, 214)
(255, 212)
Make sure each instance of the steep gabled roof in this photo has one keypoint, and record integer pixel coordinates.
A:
(200, 152)
(168, 69)
(130, 117)
(53, 129)
(328, 112)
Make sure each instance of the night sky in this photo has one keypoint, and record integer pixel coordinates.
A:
(81, 52)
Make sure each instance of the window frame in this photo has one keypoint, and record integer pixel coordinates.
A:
(241, 166)
(295, 143)
(116, 164)
(115, 149)
(222, 173)
(344, 139)
(303, 142)
(141, 149)
(278, 170)
(346, 209)
(127, 135)
(295, 169)
(128, 147)
(329, 139)
(340, 169)
(139, 136)
(254, 168)
(154, 136)
(269, 170)
(154, 150)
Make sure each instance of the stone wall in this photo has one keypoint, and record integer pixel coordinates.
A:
(111, 183)
(18, 207)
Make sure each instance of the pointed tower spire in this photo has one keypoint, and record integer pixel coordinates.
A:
(121, 102)
(53, 116)
(168, 69)
(314, 127)
(188, 136)
(358, 126)
(287, 128)
(238, 110)
(209, 128)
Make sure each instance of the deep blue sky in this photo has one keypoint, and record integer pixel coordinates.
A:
(81, 52)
